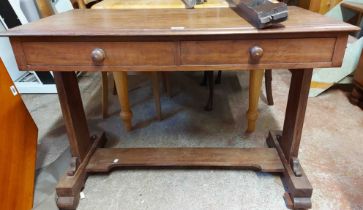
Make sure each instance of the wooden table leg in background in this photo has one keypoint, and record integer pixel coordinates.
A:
(155, 79)
(123, 96)
(81, 143)
(287, 142)
(254, 96)
(166, 83)
(210, 82)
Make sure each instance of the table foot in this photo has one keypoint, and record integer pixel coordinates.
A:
(69, 186)
(299, 189)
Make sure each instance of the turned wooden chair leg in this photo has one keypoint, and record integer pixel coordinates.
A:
(114, 91)
(219, 77)
(210, 76)
(123, 96)
(166, 83)
(268, 87)
(204, 80)
(156, 92)
(256, 77)
(104, 94)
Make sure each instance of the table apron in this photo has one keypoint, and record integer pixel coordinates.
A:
(187, 55)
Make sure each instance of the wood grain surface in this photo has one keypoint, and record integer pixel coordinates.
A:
(162, 53)
(209, 21)
(167, 40)
(263, 159)
(176, 39)
(73, 113)
(117, 53)
(155, 4)
(18, 143)
(274, 51)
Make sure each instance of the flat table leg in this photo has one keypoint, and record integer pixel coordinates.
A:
(295, 112)
(81, 144)
(254, 95)
(123, 96)
(73, 113)
(287, 142)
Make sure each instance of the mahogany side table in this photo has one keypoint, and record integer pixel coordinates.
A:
(179, 40)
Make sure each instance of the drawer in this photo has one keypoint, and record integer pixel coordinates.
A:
(307, 50)
(99, 53)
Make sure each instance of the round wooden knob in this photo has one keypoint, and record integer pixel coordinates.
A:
(98, 55)
(256, 53)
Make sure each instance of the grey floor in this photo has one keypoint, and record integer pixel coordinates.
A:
(331, 150)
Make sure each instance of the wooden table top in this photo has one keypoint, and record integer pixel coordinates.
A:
(155, 4)
(160, 22)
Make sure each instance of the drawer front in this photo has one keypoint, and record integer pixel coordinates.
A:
(115, 53)
(307, 50)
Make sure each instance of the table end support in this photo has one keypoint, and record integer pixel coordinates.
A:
(299, 189)
(69, 186)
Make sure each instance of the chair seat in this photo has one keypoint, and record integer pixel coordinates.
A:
(154, 4)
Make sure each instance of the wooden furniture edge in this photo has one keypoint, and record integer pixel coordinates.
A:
(16, 43)
(299, 189)
(336, 60)
(69, 187)
(103, 160)
(339, 50)
(174, 68)
(260, 159)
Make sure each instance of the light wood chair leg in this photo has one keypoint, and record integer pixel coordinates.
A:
(123, 96)
(156, 92)
(104, 94)
(254, 95)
